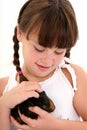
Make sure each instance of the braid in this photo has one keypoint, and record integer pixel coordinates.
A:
(16, 61)
(68, 53)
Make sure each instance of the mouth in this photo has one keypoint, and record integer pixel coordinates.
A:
(43, 68)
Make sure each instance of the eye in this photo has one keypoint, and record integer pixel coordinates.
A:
(38, 49)
(59, 53)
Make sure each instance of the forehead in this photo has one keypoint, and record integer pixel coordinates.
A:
(34, 34)
(39, 38)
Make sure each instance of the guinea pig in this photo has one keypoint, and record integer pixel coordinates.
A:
(43, 102)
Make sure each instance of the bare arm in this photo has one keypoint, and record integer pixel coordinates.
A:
(80, 98)
(4, 113)
(13, 97)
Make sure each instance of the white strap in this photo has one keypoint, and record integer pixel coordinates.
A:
(71, 70)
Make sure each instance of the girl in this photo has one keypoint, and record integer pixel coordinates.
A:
(47, 30)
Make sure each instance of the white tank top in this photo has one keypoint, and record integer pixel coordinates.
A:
(59, 89)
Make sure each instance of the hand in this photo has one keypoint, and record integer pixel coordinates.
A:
(20, 93)
(45, 121)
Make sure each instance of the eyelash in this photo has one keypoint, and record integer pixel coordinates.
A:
(58, 53)
(38, 49)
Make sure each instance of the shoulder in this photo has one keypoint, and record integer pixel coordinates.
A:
(81, 75)
(80, 97)
(3, 82)
(78, 68)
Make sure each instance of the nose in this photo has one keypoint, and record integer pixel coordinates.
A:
(48, 57)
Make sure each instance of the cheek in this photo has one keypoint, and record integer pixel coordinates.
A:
(59, 59)
(35, 56)
(31, 56)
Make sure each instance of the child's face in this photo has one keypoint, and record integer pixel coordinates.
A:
(40, 61)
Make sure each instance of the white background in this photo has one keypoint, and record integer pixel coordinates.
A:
(9, 10)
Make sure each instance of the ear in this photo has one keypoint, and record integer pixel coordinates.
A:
(19, 34)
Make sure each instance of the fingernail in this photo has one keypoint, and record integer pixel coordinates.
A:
(30, 108)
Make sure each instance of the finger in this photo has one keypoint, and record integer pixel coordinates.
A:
(38, 110)
(24, 97)
(25, 127)
(30, 122)
(31, 94)
(32, 86)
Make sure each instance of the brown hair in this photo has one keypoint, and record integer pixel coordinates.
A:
(55, 20)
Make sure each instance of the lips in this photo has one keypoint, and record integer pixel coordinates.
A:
(42, 68)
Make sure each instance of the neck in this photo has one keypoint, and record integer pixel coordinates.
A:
(35, 78)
